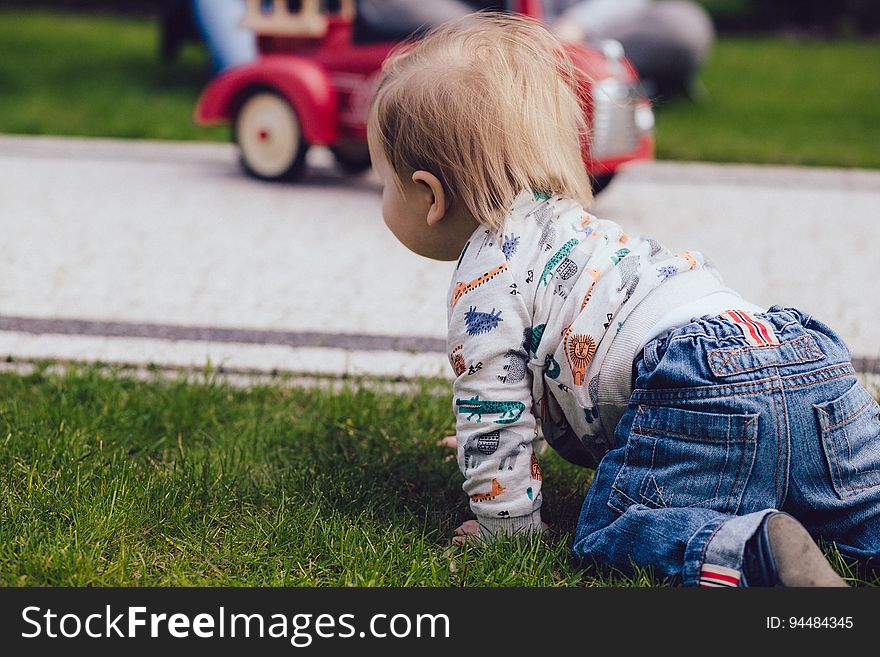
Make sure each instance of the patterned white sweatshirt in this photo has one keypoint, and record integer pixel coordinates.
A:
(545, 319)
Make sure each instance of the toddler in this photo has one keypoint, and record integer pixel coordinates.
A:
(712, 423)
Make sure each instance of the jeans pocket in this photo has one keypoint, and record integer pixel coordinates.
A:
(682, 458)
(850, 430)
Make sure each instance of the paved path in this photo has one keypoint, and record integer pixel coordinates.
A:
(164, 253)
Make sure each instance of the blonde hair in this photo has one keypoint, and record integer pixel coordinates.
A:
(490, 104)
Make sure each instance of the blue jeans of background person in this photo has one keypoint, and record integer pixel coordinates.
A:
(719, 433)
(228, 42)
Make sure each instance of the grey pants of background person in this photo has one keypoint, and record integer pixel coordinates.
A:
(666, 40)
(396, 19)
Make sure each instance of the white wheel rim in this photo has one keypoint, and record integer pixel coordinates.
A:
(268, 134)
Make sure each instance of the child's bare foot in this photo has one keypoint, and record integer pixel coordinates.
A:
(782, 553)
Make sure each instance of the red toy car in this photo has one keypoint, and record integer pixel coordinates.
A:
(314, 80)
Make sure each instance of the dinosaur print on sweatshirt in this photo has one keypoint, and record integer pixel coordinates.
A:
(557, 258)
(619, 255)
(463, 288)
(517, 287)
(510, 411)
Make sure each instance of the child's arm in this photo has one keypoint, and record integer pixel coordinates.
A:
(492, 397)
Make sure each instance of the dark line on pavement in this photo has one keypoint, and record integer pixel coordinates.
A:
(354, 341)
(865, 365)
(360, 342)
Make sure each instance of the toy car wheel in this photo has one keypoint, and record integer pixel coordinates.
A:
(269, 137)
(352, 157)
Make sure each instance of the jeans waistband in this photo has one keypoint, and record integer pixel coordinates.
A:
(723, 327)
(742, 342)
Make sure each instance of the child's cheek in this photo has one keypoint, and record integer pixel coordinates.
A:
(386, 214)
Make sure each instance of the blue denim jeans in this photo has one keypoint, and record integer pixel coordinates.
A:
(719, 432)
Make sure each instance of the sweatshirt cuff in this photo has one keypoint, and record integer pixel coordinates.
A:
(493, 528)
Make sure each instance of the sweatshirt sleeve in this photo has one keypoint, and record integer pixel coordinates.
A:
(492, 398)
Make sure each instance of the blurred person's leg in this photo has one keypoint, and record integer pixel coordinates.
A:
(176, 27)
(228, 43)
(668, 45)
(595, 19)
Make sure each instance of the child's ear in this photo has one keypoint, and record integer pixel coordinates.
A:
(433, 188)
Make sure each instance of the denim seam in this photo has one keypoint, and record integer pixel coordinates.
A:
(735, 481)
(687, 395)
(778, 449)
(662, 394)
(798, 386)
(614, 486)
(846, 366)
(848, 418)
(834, 455)
(729, 358)
(643, 431)
(622, 494)
(854, 488)
(806, 355)
(717, 492)
(786, 471)
(729, 389)
(804, 343)
(743, 370)
(706, 546)
(651, 469)
(650, 356)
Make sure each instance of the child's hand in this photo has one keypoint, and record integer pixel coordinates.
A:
(451, 443)
(469, 532)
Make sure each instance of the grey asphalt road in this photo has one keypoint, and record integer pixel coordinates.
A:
(164, 253)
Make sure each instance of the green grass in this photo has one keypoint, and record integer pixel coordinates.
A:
(780, 101)
(767, 100)
(96, 76)
(112, 480)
